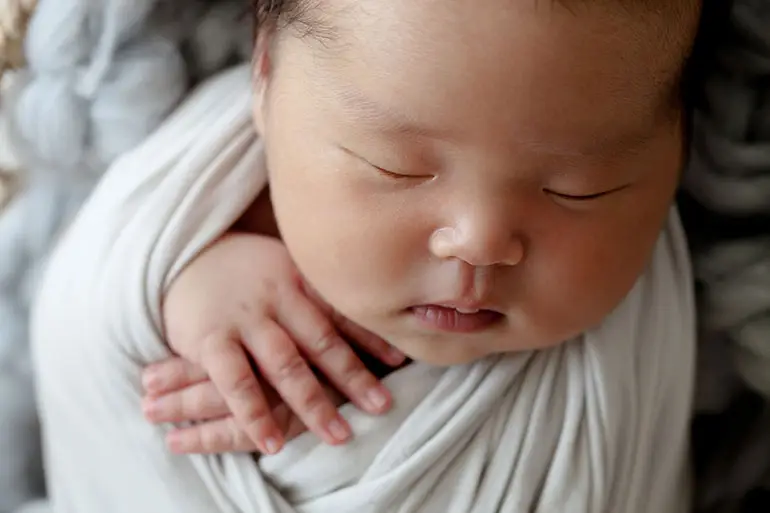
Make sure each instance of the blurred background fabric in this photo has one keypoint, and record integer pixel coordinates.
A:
(83, 82)
(726, 207)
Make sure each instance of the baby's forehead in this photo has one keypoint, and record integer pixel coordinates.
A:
(641, 55)
(663, 21)
(557, 80)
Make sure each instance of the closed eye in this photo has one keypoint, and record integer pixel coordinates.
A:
(386, 173)
(393, 175)
(584, 197)
(380, 170)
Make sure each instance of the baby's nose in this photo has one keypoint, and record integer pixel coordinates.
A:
(478, 244)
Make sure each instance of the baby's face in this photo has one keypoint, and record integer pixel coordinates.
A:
(511, 157)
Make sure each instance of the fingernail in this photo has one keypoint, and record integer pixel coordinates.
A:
(272, 445)
(151, 379)
(338, 430)
(377, 398)
(150, 408)
(174, 441)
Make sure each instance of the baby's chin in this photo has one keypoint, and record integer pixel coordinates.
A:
(447, 350)
(442, 353)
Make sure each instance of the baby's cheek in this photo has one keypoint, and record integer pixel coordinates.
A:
(576, 283)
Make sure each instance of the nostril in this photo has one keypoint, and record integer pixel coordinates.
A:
(478, 246)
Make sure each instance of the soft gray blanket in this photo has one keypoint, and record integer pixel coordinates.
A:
(727, 206)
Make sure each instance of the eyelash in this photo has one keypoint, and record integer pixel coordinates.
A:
(381, 171)
(392, 175)
(569, 197)
(586, 197)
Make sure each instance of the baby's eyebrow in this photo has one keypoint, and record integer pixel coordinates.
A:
(383, 117)
(386, 119)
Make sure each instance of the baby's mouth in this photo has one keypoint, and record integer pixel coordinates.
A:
(456, 319)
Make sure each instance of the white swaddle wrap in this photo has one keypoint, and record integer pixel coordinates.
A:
(596, 425)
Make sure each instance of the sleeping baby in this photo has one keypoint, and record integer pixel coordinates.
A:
(476, 194)
(533, 231)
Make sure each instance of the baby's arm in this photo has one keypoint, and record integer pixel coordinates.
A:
(241, 307)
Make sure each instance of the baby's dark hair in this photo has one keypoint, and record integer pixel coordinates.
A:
(277, 13)
(272, 12)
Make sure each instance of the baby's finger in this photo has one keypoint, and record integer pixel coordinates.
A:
(282, 365)
(289, 422)
(214, 437)
(223, 435)
(363, 338)
(231, 372)
(367, 340)
(201, 401)
(171, 374)
(291, 425)
(318, 339)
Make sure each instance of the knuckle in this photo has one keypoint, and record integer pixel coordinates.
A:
(214, 401)
(256, 306)
(184, 407)
(315, 401)
(351, 369)
(238, 436)
(251, 408)
(326, 341)
(244, 386)
(191, 372)
(214, 438)
(210, 342)
(290, 369)
(174, 373)
(194, 403)
(256, 414)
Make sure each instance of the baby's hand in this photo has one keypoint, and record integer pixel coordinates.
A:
(242, 302)
(182, 392)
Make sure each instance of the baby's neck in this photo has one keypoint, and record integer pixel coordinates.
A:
(259, 217)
